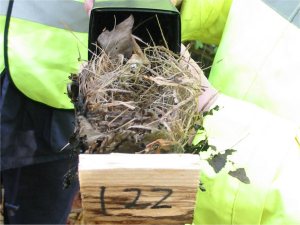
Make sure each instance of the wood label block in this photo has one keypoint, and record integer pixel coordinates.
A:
(138, 188)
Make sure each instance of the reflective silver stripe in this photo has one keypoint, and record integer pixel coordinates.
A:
(290, 10)
(65, 14)
(3, 7)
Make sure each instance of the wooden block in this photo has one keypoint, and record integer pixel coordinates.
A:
(138, 188)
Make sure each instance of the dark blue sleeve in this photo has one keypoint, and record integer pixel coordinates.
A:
(31, 132)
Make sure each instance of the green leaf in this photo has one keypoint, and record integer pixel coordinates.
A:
(200, 136)
(211, 111)
(218, 161)
(198, 44)
(240, 174)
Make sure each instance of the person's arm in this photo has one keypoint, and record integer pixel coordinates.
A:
(204, 20)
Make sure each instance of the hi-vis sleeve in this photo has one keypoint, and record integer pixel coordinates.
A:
(266, 147)
(204, 20)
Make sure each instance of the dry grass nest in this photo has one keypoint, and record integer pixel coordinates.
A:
(146, 104)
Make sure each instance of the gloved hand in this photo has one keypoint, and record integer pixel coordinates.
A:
(209, 93)
(88, 5)
(176, 2)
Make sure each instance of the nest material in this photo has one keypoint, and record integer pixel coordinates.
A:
(145, 104)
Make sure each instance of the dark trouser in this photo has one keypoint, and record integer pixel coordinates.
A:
(35, 195)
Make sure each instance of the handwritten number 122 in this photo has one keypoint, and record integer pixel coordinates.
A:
(134, 203)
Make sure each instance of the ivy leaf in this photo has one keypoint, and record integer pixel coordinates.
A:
(201, 187)
(200, 136)
(202, 146)
(198, 44)
(219, 160)
(70, 177)
(211, 111)
(240, 174)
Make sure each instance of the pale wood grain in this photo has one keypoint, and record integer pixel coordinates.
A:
(110, 183)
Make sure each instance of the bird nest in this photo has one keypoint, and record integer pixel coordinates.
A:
(147, 103)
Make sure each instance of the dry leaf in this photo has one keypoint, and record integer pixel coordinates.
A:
(119, 40)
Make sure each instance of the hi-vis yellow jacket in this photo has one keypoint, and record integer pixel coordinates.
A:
(257, 61)
(258, 58)
(43, 41)
(268, 148)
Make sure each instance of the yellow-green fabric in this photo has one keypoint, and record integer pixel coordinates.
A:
(2, 23)
(258, 59)
(267, 148)
(204, 20)
(42, 56)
